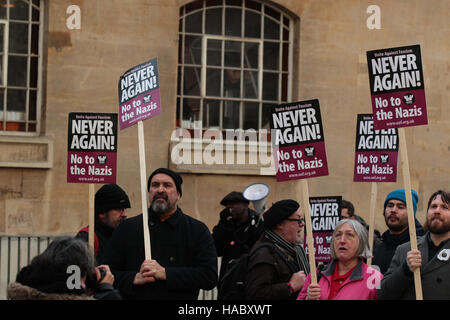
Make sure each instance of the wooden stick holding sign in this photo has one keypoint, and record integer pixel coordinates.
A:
(309, 232)
(134, 107)
(91, 218)
(147, 245)
(409, 207)
(373, 202)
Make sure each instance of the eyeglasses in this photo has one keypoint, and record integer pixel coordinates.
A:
(299, 221)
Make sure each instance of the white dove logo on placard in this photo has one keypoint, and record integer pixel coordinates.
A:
(310, 151)
(384, 158)
(408, 98)
(101, 159)
(147, 98)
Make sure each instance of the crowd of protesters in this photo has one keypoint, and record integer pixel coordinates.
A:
(184, 253)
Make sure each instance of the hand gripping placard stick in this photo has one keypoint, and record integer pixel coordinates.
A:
(147, 246)
(409, 207)
(309, 233)
(373, 202)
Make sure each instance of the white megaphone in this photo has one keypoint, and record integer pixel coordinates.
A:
(257, 194)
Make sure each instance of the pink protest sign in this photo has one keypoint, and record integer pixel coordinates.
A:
(139, 96)
(298, 141)
(92, 148)
(397, 87)
(325, 214)
(376, 152)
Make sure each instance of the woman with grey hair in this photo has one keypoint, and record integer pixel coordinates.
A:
(347, 277)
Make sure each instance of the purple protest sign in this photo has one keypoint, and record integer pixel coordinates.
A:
(139, 96)
(298, 141)
(376, 152)
(325, 214)
(92, 148)
(397, 87)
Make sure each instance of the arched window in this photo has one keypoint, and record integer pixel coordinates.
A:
(234, 63)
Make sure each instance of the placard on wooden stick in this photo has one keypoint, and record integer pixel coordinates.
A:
(139, 99)
(397, 90)
(376, 155)
(299, 151)
(92, 155)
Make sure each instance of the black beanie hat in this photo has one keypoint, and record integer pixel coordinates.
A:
(279, 211)
(110, 196)
(175, 176)
(233, 197)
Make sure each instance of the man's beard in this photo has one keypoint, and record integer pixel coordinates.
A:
(160, 206)
(112, 224)
(436, 227)
(396, 226)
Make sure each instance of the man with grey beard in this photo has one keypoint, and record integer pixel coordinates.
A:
(432, 257)
(184, 258)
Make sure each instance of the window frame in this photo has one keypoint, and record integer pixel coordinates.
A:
(181, 65)
(38, 122)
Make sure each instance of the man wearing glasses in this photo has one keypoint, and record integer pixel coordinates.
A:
(278, 270)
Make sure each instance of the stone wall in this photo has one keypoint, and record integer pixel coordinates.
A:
(82, 69)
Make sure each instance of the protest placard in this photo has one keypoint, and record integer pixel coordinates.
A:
(398, 100)
(298, 141)
(325, 214)
(139, 96)
(376, 152)
(298, 145)
(92, 148)
(397, 87)
(139, 99)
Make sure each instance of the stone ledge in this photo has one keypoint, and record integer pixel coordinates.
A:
(26, 152)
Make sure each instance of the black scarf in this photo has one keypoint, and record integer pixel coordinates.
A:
(295, 252)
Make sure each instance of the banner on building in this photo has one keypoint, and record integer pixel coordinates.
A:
(397, 87)
(298, 141)
(325, 214)
(376, 152)
(92, 148)
(139, 96)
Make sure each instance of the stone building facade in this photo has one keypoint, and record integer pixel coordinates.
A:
(318, 50)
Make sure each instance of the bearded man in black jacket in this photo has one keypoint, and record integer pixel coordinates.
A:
(184, 258)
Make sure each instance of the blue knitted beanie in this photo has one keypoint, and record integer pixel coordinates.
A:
(399, 194)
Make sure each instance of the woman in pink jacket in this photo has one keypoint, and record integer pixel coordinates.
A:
(347, 277)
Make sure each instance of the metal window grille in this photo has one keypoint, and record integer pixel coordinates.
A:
(247, 38)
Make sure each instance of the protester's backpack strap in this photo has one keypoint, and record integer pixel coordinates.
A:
(86, 229)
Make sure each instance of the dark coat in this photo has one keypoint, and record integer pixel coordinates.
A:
(233, 240)
(384, 251)
(398, 282)
(269, 272)
(103, 233)
(181, 244)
